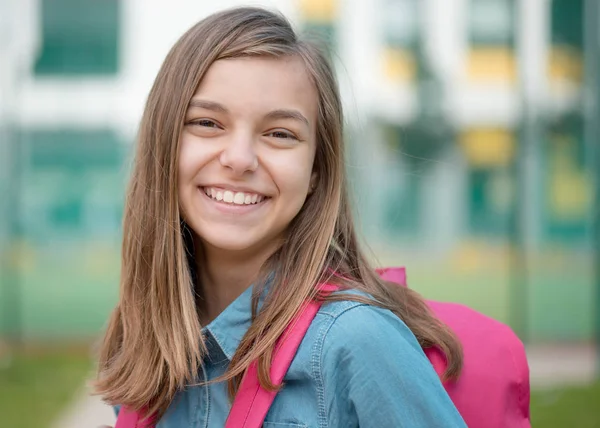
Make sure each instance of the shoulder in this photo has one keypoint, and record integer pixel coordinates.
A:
(371, 371)
(363, 329)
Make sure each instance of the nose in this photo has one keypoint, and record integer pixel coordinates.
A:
(239, 155)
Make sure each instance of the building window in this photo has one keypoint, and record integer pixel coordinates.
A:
(565, 62)
(491, 22)
(492, 36)
(567, 185)
(490, 154)
(79, 37)
(74, 184)
(400, 25)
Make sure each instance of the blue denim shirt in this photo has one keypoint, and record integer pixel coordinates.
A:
(358, 366)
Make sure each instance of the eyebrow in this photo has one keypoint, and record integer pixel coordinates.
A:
(273, 115)
(208, 105)
(288, 114)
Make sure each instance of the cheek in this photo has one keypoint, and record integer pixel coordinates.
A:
(292, 176)
(194, 154)
(189, 163)
(186, 159)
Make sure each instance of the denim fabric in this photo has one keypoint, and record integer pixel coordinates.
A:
(358, 366)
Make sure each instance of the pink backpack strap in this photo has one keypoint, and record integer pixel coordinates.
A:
(252, 402)
(130, 419)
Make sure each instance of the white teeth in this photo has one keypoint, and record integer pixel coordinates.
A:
(238, 198)
(230, 197)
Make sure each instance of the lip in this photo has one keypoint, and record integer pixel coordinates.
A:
(227, 208)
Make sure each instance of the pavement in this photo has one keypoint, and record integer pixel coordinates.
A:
(86, 411)
(560, 365)
(550, 366)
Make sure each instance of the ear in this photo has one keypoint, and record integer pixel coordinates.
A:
(312, 183)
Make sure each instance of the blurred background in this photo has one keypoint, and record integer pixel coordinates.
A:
(474, 156)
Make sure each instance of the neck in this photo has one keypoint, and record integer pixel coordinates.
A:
(223, 276)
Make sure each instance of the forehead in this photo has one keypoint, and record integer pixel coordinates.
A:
(260, 83)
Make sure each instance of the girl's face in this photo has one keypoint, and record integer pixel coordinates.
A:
(247, 152)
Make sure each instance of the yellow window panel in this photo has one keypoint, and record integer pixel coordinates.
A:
(492, 64)
(569, 187)
(398, 65)
(21, 255)
(565, 63)
(569, 196)
(488, 147)
(319, 10)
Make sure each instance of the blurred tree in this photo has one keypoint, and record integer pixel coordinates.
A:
(567, 186)
(430, 132)
(402, 32)
(318, 21)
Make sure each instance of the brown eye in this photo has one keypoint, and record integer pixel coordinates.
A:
(205, 123)
(283, 135)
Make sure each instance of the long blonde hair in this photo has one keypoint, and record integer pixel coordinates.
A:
(153, 345)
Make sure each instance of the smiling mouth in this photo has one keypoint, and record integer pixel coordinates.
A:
(234, 198)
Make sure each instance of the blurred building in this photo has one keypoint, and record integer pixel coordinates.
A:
(466, 138)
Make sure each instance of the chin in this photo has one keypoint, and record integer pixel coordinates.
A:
(236, 246)
(235, 242)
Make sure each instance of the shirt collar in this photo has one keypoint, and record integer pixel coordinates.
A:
(230, 326)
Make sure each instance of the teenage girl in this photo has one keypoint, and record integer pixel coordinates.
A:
(236, 211)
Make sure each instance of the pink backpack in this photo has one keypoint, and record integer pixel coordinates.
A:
(493, 388)
(492, 391)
